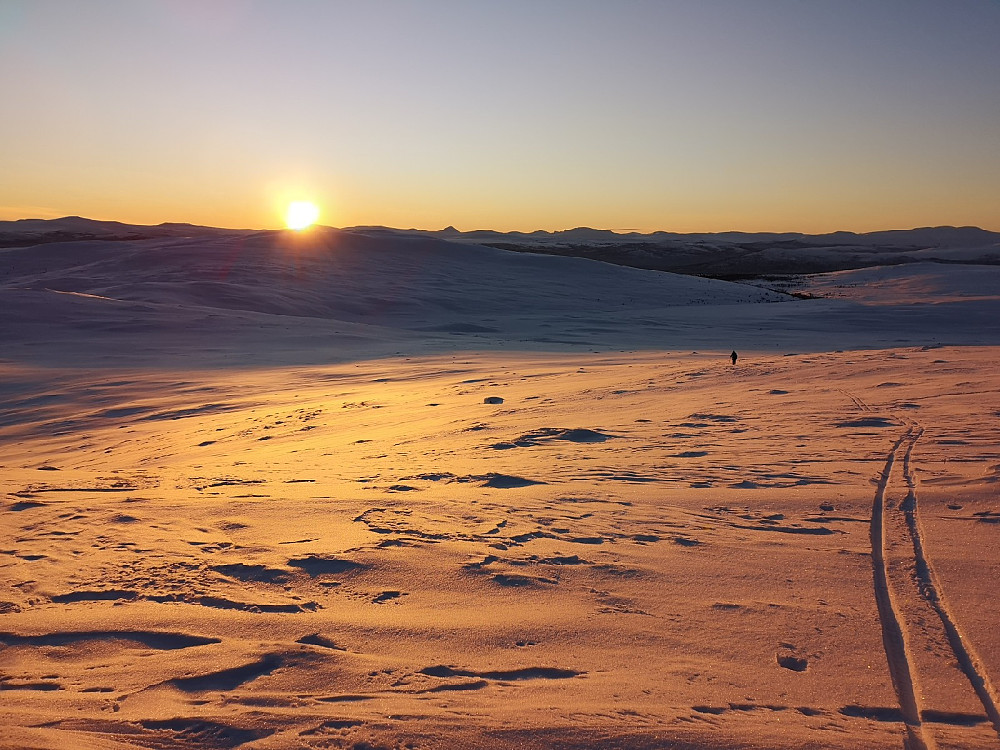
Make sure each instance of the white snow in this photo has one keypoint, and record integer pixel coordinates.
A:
(370, 490)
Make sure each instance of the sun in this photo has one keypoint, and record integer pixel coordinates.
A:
(301, 214)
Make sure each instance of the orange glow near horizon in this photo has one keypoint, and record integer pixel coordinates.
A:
(806, 117)
(255, 207)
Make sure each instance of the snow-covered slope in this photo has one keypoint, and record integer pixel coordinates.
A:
(410, 281)
(332, 294)
(371, 490)
(918, 283)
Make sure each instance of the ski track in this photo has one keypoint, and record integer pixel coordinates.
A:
(858, 403)
(894, 642)
(899, 655)
(931, 591)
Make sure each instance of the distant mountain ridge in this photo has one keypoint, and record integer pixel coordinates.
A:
(947, 236)
(726, 255)
(21, 232)
(941, 235)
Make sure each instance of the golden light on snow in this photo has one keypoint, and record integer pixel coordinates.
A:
(301, 214)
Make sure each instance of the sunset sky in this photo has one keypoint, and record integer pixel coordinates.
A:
(684, 115)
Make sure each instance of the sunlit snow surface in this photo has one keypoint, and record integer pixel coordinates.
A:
(351, 490)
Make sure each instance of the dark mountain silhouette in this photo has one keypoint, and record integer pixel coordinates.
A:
(725, 255)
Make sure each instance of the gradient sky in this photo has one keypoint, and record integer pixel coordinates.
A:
(684, 115)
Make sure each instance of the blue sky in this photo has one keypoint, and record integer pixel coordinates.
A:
(705, 115)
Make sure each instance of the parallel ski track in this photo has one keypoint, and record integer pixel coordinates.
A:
(893, 635)
(931, 591)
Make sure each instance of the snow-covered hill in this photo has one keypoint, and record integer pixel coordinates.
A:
(276, 296)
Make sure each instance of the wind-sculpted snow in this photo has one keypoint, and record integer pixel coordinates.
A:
(497, 549)
(381, 490)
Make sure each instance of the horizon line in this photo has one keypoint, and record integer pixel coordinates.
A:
(451, 227)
